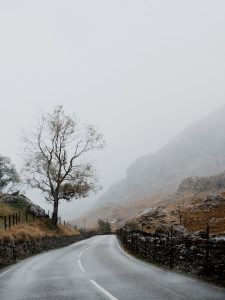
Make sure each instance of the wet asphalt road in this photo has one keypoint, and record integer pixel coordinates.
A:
(97, 269)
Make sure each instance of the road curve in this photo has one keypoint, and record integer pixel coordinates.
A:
(97, 268)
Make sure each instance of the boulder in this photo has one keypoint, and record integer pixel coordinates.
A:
(36, 210)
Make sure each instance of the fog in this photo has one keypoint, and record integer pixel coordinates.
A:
(140, 71)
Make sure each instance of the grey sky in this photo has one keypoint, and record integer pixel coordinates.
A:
(140, 70)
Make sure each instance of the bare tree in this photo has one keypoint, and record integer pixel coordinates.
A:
(56, 159)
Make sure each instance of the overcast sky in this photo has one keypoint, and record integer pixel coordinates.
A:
(140, 70)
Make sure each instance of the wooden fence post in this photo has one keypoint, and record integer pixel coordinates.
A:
(26, 216)
(180, 217)
(207, 251)
(171, 248)
(9, 221)
(5, 221)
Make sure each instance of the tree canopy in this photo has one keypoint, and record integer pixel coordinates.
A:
(8, 174)
(104, 226)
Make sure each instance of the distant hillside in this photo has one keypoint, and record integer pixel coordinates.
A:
(199, 150)
(118, 214)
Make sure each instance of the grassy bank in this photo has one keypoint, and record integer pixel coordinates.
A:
(39, 228)
(29, 226)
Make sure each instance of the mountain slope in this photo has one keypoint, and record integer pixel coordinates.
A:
(199, 150)
(196, 151)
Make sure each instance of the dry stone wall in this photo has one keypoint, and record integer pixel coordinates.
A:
(11, 251)
(198, 254)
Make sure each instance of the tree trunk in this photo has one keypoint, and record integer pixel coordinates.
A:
(55, 212)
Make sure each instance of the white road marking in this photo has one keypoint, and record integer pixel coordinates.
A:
(110, 296)
(2, 274)
(133, 258)
(79, 256)
(86, 249)
(158, 269)
(82, 252)
(80, 266)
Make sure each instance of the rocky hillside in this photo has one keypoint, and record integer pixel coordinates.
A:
(199, 201)
(196, 151)
(202, 184)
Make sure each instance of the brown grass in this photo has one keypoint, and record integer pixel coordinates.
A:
(194, 216)
(34, 230)
(198, 220)
(4, 209)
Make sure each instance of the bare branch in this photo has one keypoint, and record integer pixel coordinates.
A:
(54, 157)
